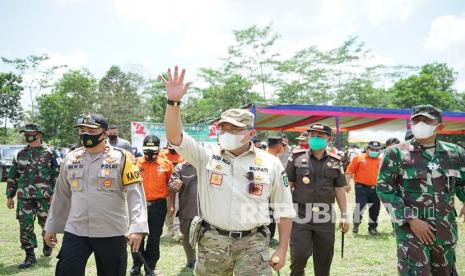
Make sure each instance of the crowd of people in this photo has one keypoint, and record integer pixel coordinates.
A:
(234, 199)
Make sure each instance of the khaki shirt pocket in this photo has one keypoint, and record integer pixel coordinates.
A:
(215, 174)
(262, 187)
(75, 179)
(107, 179)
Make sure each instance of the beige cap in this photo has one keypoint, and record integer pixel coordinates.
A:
(238, 117)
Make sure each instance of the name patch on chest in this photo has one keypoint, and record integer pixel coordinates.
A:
(258, 169)
(219, 158)
(75, 166)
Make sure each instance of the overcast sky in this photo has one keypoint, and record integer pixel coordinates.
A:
(156, 34)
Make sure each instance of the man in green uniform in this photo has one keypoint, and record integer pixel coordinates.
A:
(417, 182)
(32, 179)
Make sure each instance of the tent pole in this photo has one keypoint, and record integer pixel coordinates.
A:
(338, 133)
(253, 109)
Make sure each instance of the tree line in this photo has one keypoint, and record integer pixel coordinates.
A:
(254, 71)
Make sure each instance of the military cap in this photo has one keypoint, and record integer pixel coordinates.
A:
(321, 128)
(303, 136)
(274, 140)
(32, 127)
(92, 121)
(238, 117)
(392, 141)
(374, 144)
(151, 142)
(428, 111)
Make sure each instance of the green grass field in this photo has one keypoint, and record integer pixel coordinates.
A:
(364, 255)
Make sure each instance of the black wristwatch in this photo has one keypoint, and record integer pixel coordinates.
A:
(173, 103)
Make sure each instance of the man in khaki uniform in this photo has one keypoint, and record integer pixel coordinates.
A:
(236, 183)
(89, 204)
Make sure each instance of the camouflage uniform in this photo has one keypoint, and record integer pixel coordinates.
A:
(32, 178)
(421, 183)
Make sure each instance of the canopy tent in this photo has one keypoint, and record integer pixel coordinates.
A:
(289, 117)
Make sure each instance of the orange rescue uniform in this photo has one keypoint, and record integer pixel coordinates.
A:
(364, 169)
(155, 177)
(175, 158)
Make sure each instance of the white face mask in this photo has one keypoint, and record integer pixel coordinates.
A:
(230, 141)
(422, 130)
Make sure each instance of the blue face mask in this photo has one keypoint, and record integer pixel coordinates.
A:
(373, 154)
(317, 143)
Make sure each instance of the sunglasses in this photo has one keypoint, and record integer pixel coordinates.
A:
(250, 177)
(87, 120)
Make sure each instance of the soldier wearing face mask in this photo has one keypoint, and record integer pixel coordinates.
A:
(98, 200)
(236, 182)
(364, 169)
(419, 180)
(118, 142)
(32, 179)
(156, 172)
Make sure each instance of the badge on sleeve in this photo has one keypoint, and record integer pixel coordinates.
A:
(131, 173)
(285, 179)
(216, 179)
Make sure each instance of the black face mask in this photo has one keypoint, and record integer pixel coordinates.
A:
(150, 155)
(90, 141)
(113, 137)
(172, 151)
(31, 138)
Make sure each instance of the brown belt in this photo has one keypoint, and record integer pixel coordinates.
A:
(152, 202)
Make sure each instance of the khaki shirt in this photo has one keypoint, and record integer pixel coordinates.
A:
(91, 194)
(223, 187)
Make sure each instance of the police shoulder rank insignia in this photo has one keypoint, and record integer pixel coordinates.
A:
(258, 161)
(216, 179)
(218, 167)
(285, 179)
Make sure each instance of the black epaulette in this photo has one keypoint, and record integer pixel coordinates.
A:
(298, 151)
(334, 155)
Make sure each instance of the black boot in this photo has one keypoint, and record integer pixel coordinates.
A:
(47, 250)
(30, 259)
(135, 270)
(355, 228)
